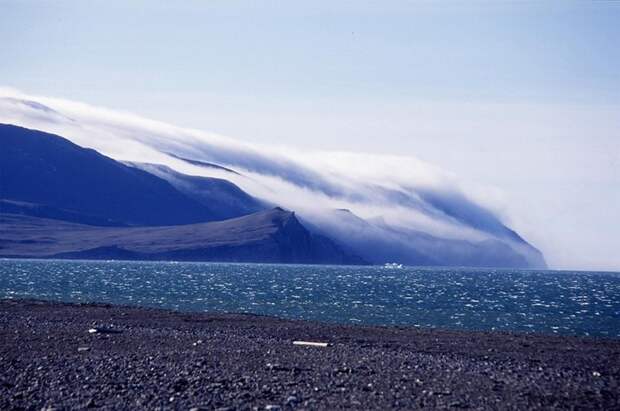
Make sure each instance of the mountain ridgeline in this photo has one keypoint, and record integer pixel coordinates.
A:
(52, 172)
(60, 200)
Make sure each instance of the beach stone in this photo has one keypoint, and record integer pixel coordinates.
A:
(180, 384)
(153, 361)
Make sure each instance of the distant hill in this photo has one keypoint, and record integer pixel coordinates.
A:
(378, 242)
(222, 198)
(45, 211)
(274, 236)
(65, 196)
(59, 200)
(49, 172)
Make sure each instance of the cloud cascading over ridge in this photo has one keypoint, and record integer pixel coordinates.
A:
(401, 192)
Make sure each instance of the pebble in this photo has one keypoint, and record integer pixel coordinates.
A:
(152, 364)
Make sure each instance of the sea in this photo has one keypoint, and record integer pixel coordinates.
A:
(534, 301)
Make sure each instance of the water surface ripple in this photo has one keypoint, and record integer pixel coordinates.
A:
(563, 302)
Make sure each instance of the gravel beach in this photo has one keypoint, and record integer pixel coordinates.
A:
(73, 356)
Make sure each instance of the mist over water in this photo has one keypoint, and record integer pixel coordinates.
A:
(554, 302)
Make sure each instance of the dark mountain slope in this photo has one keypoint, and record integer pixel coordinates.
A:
(268, 236)
(222, 198)
(379, 243)
(45, 169)
(44, 211)
(46, 176)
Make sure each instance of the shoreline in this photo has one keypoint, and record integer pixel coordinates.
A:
(326, 323)
(144, 358)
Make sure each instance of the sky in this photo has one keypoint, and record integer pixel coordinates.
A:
(522, 98)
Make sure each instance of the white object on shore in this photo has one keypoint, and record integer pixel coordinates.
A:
(311, 343)
(103, 330)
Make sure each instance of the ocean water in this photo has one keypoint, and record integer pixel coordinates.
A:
(553, 302)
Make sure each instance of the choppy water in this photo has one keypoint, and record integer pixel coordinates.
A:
(577, 303)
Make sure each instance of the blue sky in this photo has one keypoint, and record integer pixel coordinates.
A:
(543, 51)
(521, 96)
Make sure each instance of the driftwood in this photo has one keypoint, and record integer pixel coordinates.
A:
(311, 343)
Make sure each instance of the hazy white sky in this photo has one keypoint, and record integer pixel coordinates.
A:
(520, 96)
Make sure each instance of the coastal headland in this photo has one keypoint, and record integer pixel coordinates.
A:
(77, 356)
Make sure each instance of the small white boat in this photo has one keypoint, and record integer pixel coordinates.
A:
(392, 265)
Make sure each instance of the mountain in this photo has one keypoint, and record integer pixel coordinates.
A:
(88, 205)
(432, 217)
(60, 200)
(49, 172)
(222, 198)
(203, 164)
(45, 211)
(379, 243)
(268, 236)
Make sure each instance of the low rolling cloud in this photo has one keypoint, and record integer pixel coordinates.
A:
(399, 191)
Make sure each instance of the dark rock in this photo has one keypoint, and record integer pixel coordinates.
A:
(153, 364)
(180, 384)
